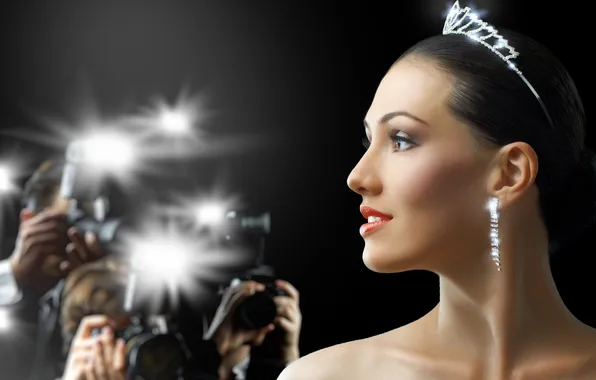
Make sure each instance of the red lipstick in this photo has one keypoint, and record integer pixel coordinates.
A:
(376, 219)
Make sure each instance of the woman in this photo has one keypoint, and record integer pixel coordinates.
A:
(476, 170)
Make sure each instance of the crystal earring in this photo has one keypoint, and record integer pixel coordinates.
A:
(495, 247)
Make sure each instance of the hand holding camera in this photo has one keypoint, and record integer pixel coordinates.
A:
(45, 252)
(39, 252)
(289, 321)
(96, 356)
(222, 330)
(81, 249)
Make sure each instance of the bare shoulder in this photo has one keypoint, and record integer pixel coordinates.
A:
(390, 355)
(343, 361)
(587, 367)
(583, 363)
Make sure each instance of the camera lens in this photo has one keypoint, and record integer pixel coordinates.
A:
(255, 312)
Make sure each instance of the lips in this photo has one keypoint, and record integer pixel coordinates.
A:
(369, 212)
(376, 220)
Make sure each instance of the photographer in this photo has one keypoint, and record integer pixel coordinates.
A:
(93, 298)
(258, 354)
(44, 250)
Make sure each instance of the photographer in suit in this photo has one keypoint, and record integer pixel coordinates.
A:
(260, 354)
(45, 251)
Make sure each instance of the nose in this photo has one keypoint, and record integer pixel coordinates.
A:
(363, 179)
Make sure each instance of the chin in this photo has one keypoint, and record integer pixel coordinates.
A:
(387, 261)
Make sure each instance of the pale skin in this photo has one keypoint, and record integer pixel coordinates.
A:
(435, 179)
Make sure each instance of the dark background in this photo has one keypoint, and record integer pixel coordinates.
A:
(300, 74)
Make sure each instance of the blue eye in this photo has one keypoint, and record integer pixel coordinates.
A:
(400, 141)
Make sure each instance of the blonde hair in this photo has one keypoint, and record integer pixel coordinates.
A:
(93, 288)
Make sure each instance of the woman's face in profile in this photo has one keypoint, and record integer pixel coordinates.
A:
(423, 169)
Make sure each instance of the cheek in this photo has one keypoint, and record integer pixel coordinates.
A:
(435, 182)
(437, 198)
(437, 203)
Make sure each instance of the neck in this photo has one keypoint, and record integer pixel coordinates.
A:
(496, 316)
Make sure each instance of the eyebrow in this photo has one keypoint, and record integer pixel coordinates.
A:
(385, 118)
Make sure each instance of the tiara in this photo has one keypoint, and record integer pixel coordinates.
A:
(464, 21)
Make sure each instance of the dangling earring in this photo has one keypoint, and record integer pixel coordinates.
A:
(495, 249)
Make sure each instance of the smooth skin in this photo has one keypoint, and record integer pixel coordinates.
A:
(434, 177)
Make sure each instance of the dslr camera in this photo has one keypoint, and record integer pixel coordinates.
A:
(258, 310)
(152, 351)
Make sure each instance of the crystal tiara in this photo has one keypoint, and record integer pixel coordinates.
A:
(464, 21)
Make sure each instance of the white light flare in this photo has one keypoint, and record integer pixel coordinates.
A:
(211, 213)
(478, 13)
(105, 151)
(5, 320)
(13, 167)
(203, 211)
(165, 260)
(168, 263)
(175, 121)
(6, 179)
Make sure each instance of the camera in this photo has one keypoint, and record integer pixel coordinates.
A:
(247, 228)
(257, 224)
(105, 229)
(258, 310)
(152, 352)
(86, 191)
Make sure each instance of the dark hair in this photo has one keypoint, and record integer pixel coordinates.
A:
(501, 109)
(43, 184)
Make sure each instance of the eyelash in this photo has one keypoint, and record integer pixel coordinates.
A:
(395, 139)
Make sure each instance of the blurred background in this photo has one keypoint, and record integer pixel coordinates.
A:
(285, 86)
